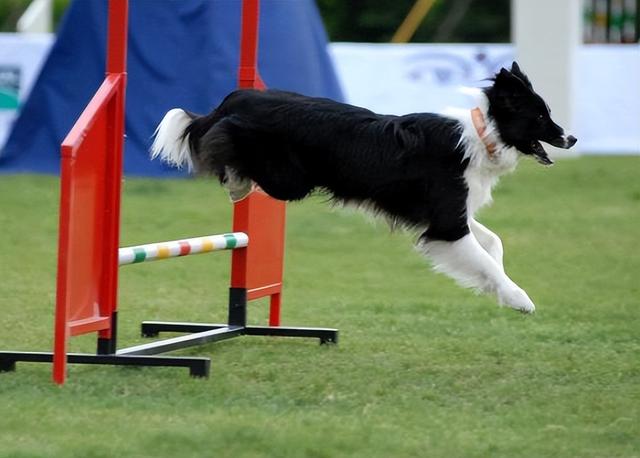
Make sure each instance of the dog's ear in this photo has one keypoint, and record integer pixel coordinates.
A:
(515, 70)
(504, 73)
(508, 83)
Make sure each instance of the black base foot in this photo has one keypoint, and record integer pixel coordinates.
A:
(7, 364)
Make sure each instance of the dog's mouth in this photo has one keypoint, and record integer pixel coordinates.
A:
(539, 153)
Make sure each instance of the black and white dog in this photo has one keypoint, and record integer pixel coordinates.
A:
(423, 171)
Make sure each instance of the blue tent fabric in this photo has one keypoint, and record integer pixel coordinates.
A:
(181, 53)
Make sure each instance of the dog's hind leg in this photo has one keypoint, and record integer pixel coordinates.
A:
(238, 187)
(488, 240)
(466, 261)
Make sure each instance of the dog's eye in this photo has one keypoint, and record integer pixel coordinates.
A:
(540, 117)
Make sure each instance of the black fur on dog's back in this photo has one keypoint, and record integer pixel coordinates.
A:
(408, 167)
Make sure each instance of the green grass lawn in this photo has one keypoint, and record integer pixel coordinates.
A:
(423, 368)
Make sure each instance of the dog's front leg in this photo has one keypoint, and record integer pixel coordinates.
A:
(488, 240)
(470, 265)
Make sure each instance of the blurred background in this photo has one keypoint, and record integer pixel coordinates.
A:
(392, 57)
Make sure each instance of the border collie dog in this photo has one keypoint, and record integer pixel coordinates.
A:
(422, 171)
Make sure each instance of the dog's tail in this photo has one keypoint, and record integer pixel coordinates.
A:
(179, 142)
(172, 143)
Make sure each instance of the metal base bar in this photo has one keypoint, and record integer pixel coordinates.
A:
(198, 367)
(199, 338)
(153, 328)
(198, 334)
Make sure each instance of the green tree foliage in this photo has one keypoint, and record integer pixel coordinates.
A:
(449, 21)
(11, 10)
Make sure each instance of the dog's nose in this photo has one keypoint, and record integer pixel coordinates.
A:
(570, 141)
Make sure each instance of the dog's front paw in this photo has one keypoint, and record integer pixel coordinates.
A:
(515, 297)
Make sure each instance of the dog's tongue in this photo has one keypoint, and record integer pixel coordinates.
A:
(540, 154)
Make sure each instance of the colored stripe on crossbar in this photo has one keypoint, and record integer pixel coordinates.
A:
(231, 241)
(175, 248)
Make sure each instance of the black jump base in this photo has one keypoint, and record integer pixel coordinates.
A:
(195, 334)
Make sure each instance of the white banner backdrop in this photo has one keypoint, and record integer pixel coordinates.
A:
(607, 108)
(21, 57)
(409, 78)
(401, 79)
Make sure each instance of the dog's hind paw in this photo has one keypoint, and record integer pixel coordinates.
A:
(237, 187)
(516, 298)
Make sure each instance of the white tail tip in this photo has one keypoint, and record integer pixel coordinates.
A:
(169, 144)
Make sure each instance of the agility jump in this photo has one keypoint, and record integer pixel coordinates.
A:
(88, 247)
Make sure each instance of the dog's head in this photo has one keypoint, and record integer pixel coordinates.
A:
(522, 116)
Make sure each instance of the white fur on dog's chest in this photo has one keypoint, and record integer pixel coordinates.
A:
(484, 168)
(483, 173)
(480, 186)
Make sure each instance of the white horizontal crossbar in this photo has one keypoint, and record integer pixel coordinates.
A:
(184, 247)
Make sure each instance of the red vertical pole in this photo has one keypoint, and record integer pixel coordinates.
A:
(274, 309)
(61, 331)
(117, 38)
(248, 71)
(91, 175)
(257, 268)
(116, 64)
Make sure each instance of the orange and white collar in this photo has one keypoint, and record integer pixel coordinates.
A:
(481, 128)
